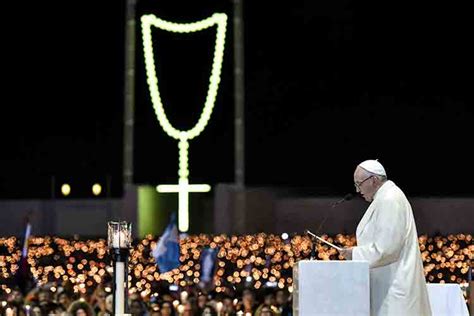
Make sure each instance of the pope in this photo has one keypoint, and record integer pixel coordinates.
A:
(388, 240)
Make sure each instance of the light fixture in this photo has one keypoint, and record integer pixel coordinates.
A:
(66, 189)
(96, 189)
(119, 243)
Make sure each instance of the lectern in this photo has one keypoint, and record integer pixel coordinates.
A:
(331, 288)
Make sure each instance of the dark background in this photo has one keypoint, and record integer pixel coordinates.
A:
(328, 84)
(62, 108)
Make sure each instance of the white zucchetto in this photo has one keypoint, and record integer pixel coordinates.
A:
(374, 167)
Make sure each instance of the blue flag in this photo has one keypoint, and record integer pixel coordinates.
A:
(208, 262)
(23, 277)
(166, 253)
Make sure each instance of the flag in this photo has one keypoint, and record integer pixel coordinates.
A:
(23, 276)
(24, 252)
(166, 253)
(208, 263)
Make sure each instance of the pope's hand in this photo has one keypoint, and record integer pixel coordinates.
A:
(346, 253)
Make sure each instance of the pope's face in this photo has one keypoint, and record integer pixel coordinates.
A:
(364, 184)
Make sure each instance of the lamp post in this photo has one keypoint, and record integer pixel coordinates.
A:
(119, 243)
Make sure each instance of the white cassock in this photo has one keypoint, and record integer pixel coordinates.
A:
(387, 239)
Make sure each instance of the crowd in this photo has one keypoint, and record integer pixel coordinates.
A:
(62, 301)
(251, 275)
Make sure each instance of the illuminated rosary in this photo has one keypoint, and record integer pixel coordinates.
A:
(183, 188)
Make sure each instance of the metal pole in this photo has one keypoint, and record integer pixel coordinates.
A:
(129, 93)
(239, 122)
(239, 94)
(129, 208)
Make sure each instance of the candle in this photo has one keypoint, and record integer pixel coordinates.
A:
(119, 287)
(119, 234)
(219, 308)
(175, 303)
(184, 296)
(27, 308)
(180, 309)
(119, 239)
(9, 312)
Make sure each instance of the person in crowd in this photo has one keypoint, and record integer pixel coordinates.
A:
(228, 306)
(248, 301)
(167, 309)
(190, 307)
(154, 305)
(266, 310)
(53, 308)
(80, 308)
(283, 303)
(35, 310)
(138, 308)
(98, 299)
(44, 296)
(268, 300)
(201, 301)
(109, 306)
(64, 299)
(155, 313)
(208, 310)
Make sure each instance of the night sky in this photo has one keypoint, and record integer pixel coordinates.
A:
(328, 84)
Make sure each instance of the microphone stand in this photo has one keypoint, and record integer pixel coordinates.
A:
(347, 197)
(313, 250)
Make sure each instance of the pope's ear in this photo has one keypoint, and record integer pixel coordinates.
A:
(378, 179)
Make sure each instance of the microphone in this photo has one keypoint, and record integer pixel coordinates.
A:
(346, 197)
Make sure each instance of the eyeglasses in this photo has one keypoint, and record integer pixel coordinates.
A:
(357, 185)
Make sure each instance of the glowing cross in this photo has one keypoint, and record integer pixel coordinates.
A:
(183, 188)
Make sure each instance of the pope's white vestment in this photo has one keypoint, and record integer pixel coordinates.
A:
(388, 240)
